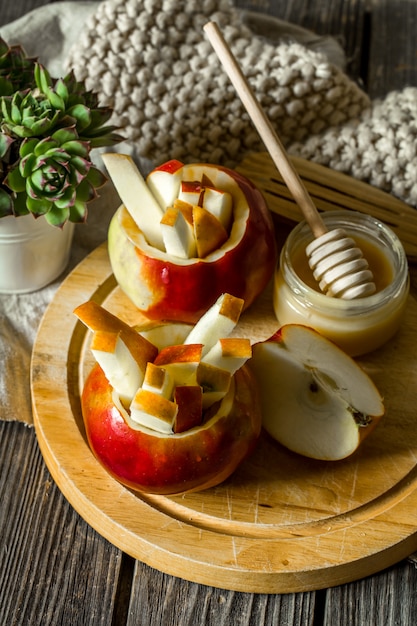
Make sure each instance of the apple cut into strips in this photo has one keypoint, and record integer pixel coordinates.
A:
(191, 191)
(214, 381)
(217, 322)
(158, 380)
(164, 334)
(180, 361)
(209, 232)
(186, 209)
(178, 234)
(153, 411)
(229, 353)
(97, 318)
(136, 196)
(316, 400)
(120, 367)
(189, 399)
(122, 353)
(164, 182)
(220, 204)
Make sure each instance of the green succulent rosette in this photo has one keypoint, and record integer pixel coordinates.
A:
(48, 127)
(16, 69)
(55, 177)
(24, 115)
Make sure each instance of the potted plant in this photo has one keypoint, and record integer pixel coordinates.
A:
(48, 128)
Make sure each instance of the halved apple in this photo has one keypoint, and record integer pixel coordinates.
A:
(316, 400)
(164, 287)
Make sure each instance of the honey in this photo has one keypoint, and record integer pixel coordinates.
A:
(357, 326)
(379, 264)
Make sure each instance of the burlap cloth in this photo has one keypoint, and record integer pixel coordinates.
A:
(149, 59)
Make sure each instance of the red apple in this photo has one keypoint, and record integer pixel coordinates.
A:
(193, 460)
(167, 288)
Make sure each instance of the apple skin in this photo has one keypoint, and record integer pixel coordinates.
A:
(164, 289)
(174, 464)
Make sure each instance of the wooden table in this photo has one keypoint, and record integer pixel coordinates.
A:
(55, 569)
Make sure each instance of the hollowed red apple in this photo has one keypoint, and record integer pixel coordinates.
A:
(152, 462)
(189, 423)
(166, 287)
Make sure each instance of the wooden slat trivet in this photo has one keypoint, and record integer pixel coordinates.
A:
(332, 190)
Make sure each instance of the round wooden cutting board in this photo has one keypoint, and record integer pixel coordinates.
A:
(282, 523)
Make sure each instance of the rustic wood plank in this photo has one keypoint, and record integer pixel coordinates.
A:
(393, 59)
(187, 604)
(385, 599)
(54, 568)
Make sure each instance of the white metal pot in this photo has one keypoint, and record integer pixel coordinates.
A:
(32, 253)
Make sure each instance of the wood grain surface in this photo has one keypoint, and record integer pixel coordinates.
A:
(282, 523)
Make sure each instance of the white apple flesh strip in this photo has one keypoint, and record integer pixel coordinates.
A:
(190, 191)
(229, 353)
(217, 322)
(209, 232)
(165, 334)
(136, 196)
(153, 411)
(158, 380)
(118, 346)
(177, 234)
(316, 400)
(165, 183)
(214, 381)
(219, 203)
(186, 209)
(96, 318)
(121, 369)
(181, 361)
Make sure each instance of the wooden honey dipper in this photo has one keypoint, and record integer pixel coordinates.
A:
(337, 263)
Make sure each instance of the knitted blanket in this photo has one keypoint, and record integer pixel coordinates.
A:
(151, 61)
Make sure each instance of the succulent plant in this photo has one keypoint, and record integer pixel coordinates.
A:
(16, 69)
(24, 115)
(48, 127)
(56, 177)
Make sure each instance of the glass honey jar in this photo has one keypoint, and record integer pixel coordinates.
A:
(358, 326)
